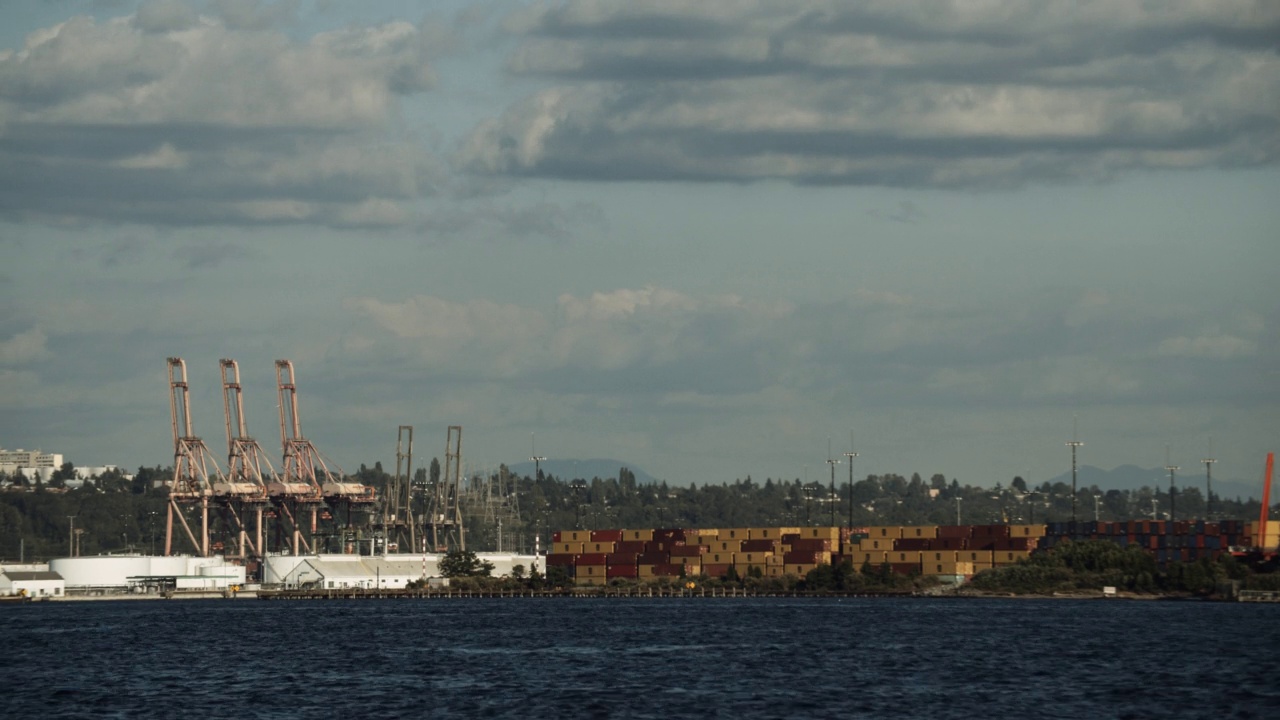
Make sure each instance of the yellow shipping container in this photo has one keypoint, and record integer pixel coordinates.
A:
(904, 557)
(754, 558)
(920, 531)
(595, 580)
(642, 535)
(948, 568)
(774, 571)
(738, 534)
(974, 556)
(731, 546)
(702, 537)
(687, 561)
(719, 558)
(773, 533)
(647, 571)
(589, 571)
(868, 544)
(598, 547)
(937, 556)
(885, 531)
(575, 535)
(567, 548)
(1009, 557)
(875, 557)
(979, 567)
(798, 569)
(821, 533)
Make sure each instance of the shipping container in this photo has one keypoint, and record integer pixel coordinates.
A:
(760, 545)
(954, 531)
(974, 556)
(830, 534)
(1018, 531)
(688, 551)
(950, 543)
(905, 568)
(622, 571)
(631, 546)
(686, 560)
(806, 558)
(718, 558)
(622, 559)
(772, 533)
(637, 535)
(752, 558)
(1009, 557)
(947, 568)
(873, 543)
(812, 545)
(798, 569)
(898, 557)
(609, 536)
(884, 532)
(599, 547)
(917, 532)
(990, 531)
(567, 548)
(735, 534)
(716, 570)
(591, 559)
(875, 557)
(563, 559)
(914, 544)
(702, 537)
(580, 536)
(726, 545)
(590, 571)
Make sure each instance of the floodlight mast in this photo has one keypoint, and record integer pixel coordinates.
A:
(1208, 482)
(851, 455)
(1173, 491)
(831, 499)
(1073, 444)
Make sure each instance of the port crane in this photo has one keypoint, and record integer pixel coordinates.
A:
(444, 516)
(192, 465)
(303, 463)
(248, 486)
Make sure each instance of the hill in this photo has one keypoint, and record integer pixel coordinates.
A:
(567, 469)
(1132, 477)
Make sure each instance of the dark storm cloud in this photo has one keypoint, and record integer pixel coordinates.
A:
(899, 94)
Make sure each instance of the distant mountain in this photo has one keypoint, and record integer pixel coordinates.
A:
(1132, 477)
(568, 468)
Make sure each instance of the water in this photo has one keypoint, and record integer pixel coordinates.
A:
(641, 658)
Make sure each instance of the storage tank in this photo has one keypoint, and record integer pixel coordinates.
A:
(101, 571)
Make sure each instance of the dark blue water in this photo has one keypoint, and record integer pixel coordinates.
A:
(633, 658)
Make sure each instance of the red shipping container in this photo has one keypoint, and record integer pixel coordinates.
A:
(914, 544)
(606, 536)
(991, 531)
(759, 545)
(688, 550)
(555, 536)
(812, 545)
(789, 538)
(622, 559)
(717, 570)
(564, 559)
(798, 557)
(955, 531)
(591, 559)
(950, 543)
(631, 546)
(622, 571)
(653, 558)
(668, 570)
(904, 568)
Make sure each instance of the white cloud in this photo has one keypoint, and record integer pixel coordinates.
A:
(886, 93)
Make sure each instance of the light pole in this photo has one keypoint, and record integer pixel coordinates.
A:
(851, 455)
(957, 511)
(1173, 491)
(71, 536)
(537, 460)
(578, 486)
(1073, 445)
(832, 493)
(1097, 502)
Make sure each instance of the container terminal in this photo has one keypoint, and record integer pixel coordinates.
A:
(312, 502)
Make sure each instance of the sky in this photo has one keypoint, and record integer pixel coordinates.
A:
(710, 240)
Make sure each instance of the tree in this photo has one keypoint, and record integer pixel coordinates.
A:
(464, 563)
(1019, 484)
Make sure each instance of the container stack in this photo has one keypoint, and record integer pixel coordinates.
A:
(1181, 541)
(597, 556)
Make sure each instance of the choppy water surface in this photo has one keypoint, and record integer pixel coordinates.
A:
(641, 658)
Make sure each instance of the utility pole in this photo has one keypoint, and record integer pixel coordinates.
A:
(537, 459)
(1173, 491)
(957, 511)
(71, 536)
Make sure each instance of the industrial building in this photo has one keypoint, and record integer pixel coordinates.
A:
(106, 574)
(388, 572)
(31, 583)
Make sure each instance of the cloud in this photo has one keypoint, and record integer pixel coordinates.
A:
(174, 118)
(24, 347)
(1218, 347)
(886, 93)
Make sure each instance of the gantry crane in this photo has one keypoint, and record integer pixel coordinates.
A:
(192, 462)
(445, 514)
(303, 463)
(247, 484)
